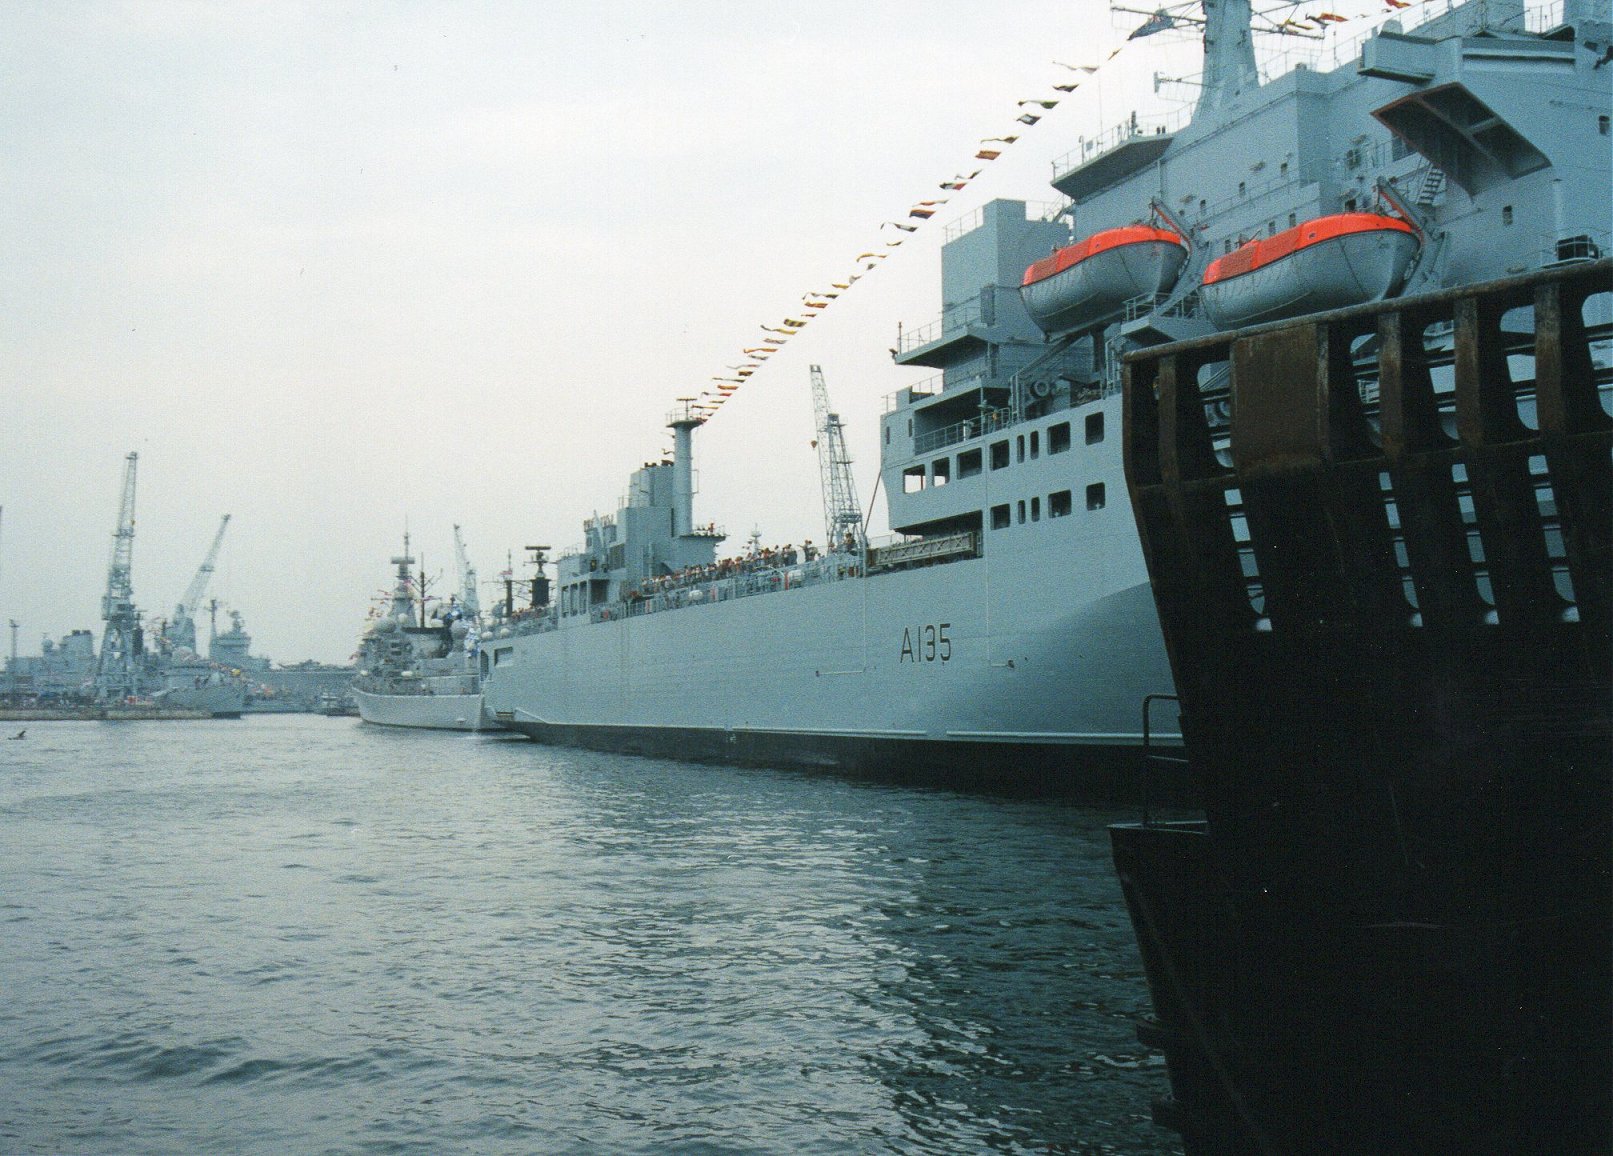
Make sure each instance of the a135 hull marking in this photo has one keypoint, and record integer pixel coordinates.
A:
(926, 643)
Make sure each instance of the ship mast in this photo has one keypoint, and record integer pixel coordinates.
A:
(403, 593)
(1229, 53)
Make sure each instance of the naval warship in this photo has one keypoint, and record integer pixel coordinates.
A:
(420, 672)
(1009, 636)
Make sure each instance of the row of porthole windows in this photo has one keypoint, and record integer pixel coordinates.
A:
(1059, 505)
(1023, 447)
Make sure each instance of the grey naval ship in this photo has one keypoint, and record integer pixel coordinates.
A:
(1009, 636)
(416, 671)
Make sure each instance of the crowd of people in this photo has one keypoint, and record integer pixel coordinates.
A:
(759, 561)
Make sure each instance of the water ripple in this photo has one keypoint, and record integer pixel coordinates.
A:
(300, 934)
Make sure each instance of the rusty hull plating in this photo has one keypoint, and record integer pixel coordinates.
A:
(1381, 544)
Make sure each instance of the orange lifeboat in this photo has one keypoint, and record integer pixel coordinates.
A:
(1325, 263)
(1084, 283)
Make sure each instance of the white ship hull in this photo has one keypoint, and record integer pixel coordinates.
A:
(455, 712)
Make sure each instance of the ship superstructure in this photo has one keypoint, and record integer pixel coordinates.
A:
(1010, 631)
(416, 666)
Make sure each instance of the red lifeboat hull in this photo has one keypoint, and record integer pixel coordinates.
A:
(1325, 263)
(1084, 283)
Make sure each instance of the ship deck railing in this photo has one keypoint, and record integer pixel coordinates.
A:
(929, 387)
(833, 567)
(1034, 211)
(1589, 246)
(925, 551)
(896, 552)
(430, 684)
(953, 320)
(1090, 148)
(988, 422)
(932, 386)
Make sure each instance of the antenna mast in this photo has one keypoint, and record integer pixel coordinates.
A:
(841, 513)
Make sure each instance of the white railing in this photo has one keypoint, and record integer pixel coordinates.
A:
(1132, 128)
(954, 319)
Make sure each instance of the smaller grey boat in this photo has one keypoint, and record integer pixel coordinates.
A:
(416, 671)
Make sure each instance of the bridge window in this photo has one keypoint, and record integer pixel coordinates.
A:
(968, 463)
(1036, 509)
(1058, 437)
(912, 479)
(1019, 448)
(1094, 428)
(1036, 444)
(1058, 505)
(1021, 511)
(940, 471)
(1095, 496)
(999, 517)
(999, 455)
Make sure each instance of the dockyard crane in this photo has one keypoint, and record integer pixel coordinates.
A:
(182, 630)
(842, 516)
(117, 669)
(468, 601)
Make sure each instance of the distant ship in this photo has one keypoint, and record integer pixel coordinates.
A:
(191, 682)
(1009, 636)
(415, 672)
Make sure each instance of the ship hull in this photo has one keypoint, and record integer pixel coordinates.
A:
(994, 671)
(454, 712)
(214, 700)
(1099, 774)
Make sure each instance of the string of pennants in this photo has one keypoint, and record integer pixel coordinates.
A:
(1283, 18)
(755, 354)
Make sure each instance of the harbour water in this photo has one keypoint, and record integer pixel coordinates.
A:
(295, 933)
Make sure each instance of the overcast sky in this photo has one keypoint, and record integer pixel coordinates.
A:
(334, 268)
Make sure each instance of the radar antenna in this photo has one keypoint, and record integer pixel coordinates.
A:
(116, 671)
(842, 516)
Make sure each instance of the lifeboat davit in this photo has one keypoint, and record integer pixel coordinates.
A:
(1325, 263)
(1083, 283)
